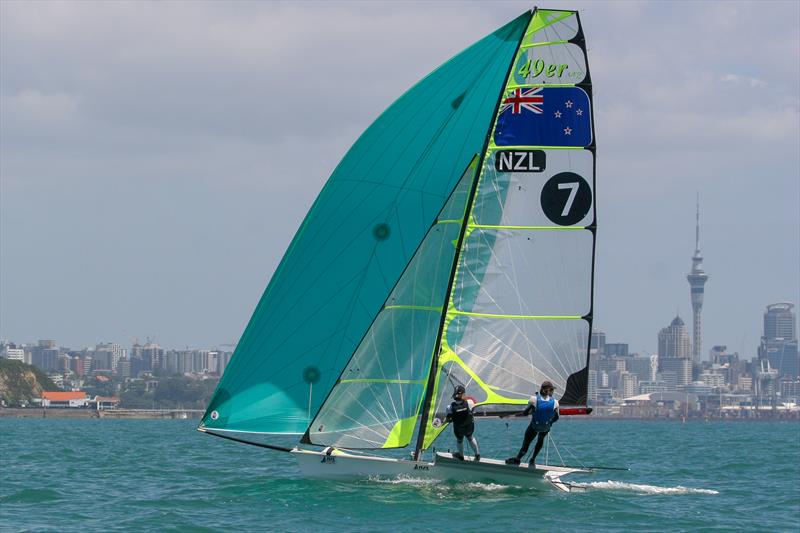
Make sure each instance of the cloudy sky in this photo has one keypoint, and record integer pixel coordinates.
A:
(157, 158)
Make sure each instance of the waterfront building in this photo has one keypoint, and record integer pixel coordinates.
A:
(104, 402)
(697, 279)
(60, 399)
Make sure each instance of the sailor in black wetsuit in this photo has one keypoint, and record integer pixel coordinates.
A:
(545, 412)
(460, 414)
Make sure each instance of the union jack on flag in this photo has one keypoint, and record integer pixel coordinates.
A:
(520, 99)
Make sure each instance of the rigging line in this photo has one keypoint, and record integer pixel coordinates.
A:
(567, 450)
(549, 440)
(245, 441)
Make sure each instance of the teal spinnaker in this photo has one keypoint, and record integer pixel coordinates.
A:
(358, 237)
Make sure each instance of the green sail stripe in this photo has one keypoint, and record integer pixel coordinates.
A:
(528, 85)
(493, 147)
(380, 380)
(415, 307)
(493, 226)
(516, 317)
(532, 45)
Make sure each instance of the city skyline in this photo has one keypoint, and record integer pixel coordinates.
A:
(151, 191)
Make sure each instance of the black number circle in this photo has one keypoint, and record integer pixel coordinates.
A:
(566, 198)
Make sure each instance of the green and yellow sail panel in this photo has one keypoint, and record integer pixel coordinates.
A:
(357, 240)
(521, 303)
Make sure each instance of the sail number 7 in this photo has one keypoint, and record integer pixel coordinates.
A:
(566, 198)
(573, 190)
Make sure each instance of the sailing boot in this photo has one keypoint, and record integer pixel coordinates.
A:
(477, 457)
(458, 455)
(512, 461)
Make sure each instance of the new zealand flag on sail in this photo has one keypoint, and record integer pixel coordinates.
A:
(544, 116)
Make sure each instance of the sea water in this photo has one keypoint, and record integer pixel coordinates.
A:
(161, 475)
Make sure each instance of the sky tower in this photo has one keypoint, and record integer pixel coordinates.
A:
(697, 280)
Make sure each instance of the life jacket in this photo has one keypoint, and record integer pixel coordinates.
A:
(544, 413)
(461, 413)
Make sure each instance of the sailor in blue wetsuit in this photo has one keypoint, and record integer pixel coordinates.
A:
(460, 414)
(545, 411)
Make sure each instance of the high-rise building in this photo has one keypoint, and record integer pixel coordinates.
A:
(779, 322)
(697, 280)
(673, 341)
(598, 343)
(15, 354)
(117, 352)
(677, 370)
(779, 343)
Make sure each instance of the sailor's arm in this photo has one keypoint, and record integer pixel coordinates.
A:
(531, 407)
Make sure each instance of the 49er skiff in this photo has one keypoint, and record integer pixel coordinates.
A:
(453, 244)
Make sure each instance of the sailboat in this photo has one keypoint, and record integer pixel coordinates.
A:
(452, 245)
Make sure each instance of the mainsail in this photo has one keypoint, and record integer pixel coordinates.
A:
(520, 308)
(453, 245)
(356, 241)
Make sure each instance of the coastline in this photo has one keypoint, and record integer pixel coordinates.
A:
(38, 412)
(183, 414)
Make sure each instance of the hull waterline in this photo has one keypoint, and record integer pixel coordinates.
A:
(338, 464)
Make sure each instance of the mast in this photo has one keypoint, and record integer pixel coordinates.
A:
(432, 375)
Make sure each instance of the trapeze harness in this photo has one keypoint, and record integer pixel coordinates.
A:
(544, 415)
(463, 421)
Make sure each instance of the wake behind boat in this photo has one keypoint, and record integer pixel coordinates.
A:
(453, 247)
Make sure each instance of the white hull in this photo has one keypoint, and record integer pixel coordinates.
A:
(338, 464)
